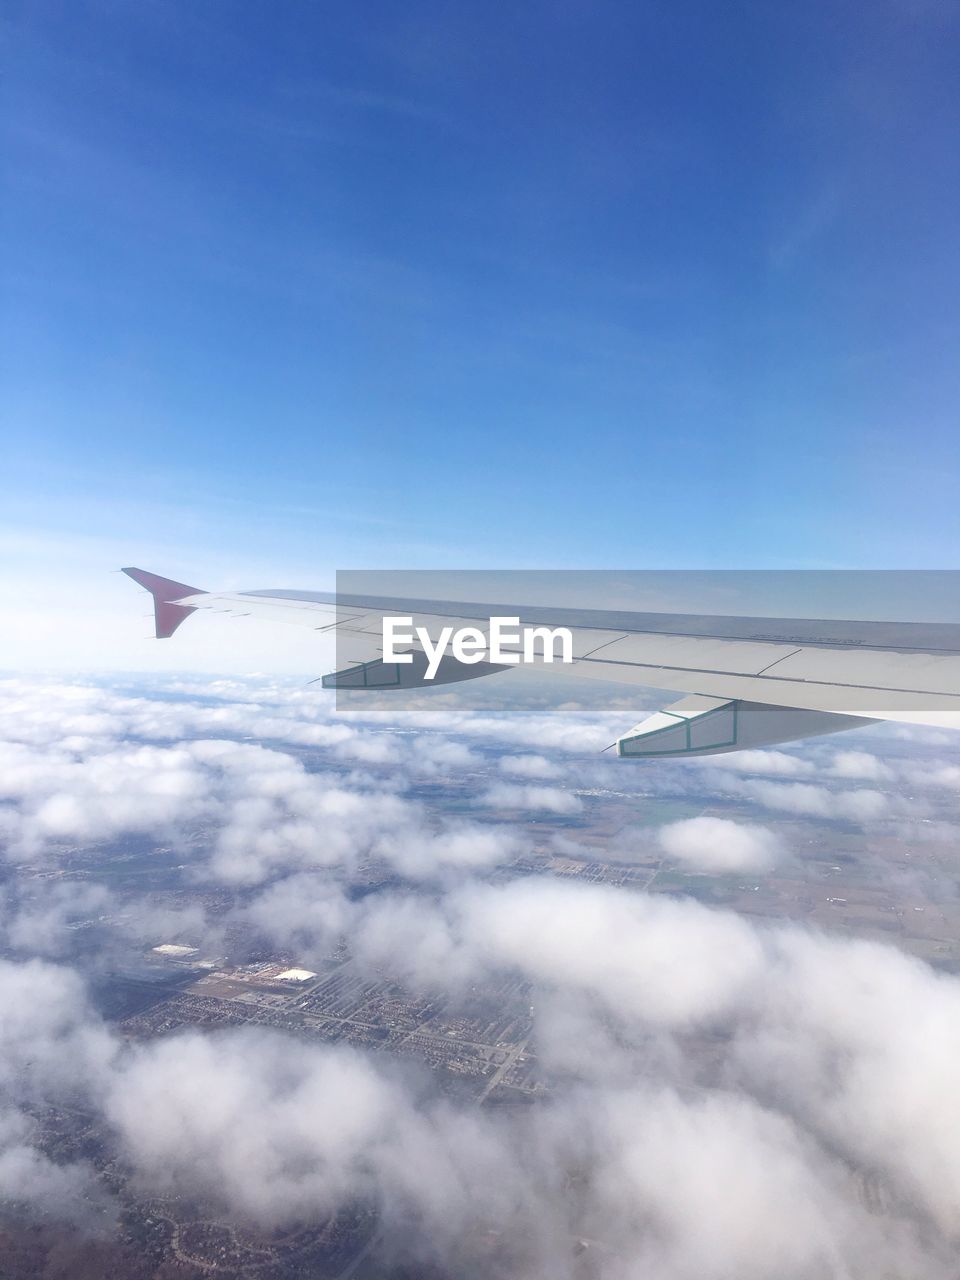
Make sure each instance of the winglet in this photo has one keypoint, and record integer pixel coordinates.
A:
(165, 592)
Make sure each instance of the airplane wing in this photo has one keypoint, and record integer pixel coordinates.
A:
(747, 682)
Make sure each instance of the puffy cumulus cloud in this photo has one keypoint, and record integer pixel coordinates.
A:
(49, 1037)
(934, 774)
(730, 1188)
(718, 844)
(64, 798)
(807, 799)
(52, 1047)
(30, 1182)
(265, 812)
(280, 817)
(278, 1128)
(534, 767)
(85, 717)
(858, 1041)
(562, 731)
(660, 961)
(83, 764)
(303, 911)
(458, 846)
(678, 1187)
(777, 763)
(283, 818)
(508, 795)
(44, 713)
(278, 1131)
(78, 723)
(922, 735)
(860, 764)
(945, 776)
(649, 958)
(432, 755)
(41, 916)
(36, 917)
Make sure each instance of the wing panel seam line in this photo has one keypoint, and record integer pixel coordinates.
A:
(752, 675)
(783, 657)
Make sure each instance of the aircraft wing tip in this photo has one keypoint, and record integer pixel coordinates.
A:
(168, 614)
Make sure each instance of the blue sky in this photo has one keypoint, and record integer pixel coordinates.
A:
(306, 286)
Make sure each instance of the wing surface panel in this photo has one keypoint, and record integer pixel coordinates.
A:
(827, 668)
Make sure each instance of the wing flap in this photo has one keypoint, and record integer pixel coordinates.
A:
(700, 726)
(408, 675)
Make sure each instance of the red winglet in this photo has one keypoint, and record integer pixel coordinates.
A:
(165, 592)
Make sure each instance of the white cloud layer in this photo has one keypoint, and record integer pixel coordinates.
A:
(727, 1098)
(836, 1067)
